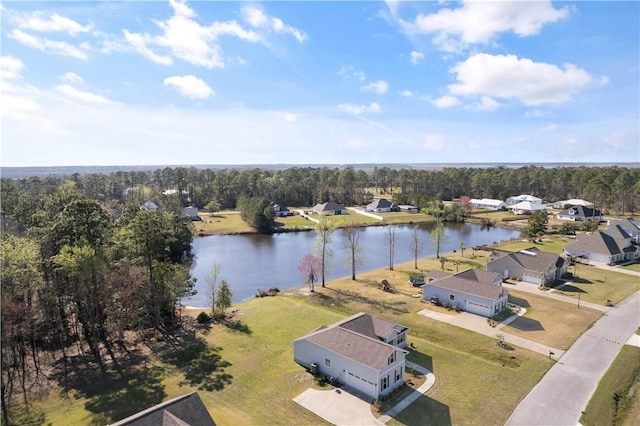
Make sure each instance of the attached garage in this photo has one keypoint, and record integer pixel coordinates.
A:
(531, 279)
(478, 308)
(359, 383)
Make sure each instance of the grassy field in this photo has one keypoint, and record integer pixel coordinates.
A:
(632, 267)
(548, 321)
(617, 399)
(551, 245)
(597, 285)
(228, 222)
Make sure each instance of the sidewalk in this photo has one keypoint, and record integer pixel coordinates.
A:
(410, 399)
(479, 324)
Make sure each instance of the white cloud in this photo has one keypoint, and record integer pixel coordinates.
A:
(10, 67)
(80, 95)
(54, 23)
(510, 77)
(258, 19)
(433, 142)
(186, 39)
(535, 113)
(549, 127)
(487, 104)
(189, 86)
(360, 109)
(72, 77)
(619, 139)
(289, 117)
(416, 57)
(380, 87)
(479, 22)
(46, 45)
(446, 101)
(406, 93)
(349, 71)
(353, 143)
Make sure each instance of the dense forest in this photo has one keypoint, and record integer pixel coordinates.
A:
(83, 264)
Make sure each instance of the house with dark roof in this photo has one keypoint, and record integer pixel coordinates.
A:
(185, 410)
(281, 210)
(602, 247)
(580, 214)
(531, 265)
(381, 205)
(330, 208)
(363, 351)
(191, 213)
(150, 205)
(475, 291)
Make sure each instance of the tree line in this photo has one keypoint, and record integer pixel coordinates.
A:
(613, 187)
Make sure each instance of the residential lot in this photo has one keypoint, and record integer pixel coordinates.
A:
(599, 285)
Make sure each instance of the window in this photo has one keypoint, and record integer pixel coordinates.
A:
(391, 359)
(385, 382)
(401, 338)
(452, 297)
(327, 362)
(398, 374)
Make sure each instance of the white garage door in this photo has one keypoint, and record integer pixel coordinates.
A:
(531, 279)
(478, 308)
(361, 384)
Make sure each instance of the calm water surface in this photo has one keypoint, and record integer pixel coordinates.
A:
(252, 262)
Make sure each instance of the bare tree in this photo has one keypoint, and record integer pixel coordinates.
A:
(212, 286)
(391, 243)
(416, 246)
(310, 268)
(352, 235)
(462, 248)
(438, 237)
(326, 228)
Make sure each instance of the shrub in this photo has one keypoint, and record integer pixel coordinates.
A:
(203, 318)
(446, 304)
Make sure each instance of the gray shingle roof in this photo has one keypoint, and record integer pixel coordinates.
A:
(538, 261)
(581, 211)
(380, 203)
(463, 285)
(617, 231)
(481, 276)
(329, 206)
(600, 243)
(185, 410)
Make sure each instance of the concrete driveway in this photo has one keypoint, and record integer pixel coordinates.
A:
(337, 406)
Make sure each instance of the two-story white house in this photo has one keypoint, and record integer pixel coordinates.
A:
(363, 351)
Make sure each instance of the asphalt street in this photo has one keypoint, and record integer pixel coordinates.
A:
(564, 392)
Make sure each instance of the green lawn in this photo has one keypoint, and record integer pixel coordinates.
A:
(632, 267)
(617, 400)
(228, 222)
(597, 285)
(551, 245)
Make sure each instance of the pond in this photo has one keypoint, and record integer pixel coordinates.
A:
(252, 262)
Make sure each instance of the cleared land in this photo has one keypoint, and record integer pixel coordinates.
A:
(228, 222)
(551, 245)
(597, 285)
(548, 321)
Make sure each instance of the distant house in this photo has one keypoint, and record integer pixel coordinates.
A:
(191, 213)
(185, 410)
(565, 204)
(363, 351)
(150, 205)
(281, 210)
(407, 208)
(526, 207)
(330, 208)
(626, 226)
(478, 292)
(602, 247)
(580, 214)
(488, 203)
(520, 198)
(381, 205)
(530, 265)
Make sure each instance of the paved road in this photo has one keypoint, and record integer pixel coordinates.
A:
(563, 393)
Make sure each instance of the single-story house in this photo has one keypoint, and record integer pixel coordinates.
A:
(191, 213)
(602, 247)
(329, 208)
(381, 205)
(185, 410)
(150, 205)
(478, 292)
(520, 198)
(363, 351)
(526, 207)
(530, 265)
(631, 227)
(565, 204)
(488, 203)
(580, 214)
(408, 208)
(281, 210)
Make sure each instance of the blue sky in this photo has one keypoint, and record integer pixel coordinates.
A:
(332, 82)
